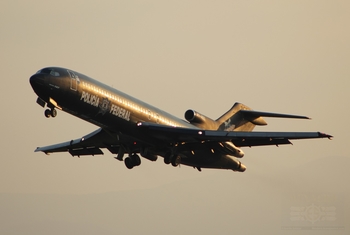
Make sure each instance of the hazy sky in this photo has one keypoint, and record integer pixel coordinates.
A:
(277, 56)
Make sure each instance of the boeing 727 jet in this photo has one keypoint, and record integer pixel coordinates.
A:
(128, 126)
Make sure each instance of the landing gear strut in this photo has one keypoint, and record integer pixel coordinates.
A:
(50, 113)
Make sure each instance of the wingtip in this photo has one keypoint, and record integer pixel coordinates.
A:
(39, 149)
(324, 135)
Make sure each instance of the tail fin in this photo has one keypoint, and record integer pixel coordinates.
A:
(234, 120)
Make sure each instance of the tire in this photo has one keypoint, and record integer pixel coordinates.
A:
(136, 160)
(128, 163)
(167, 159)
(53, 112)
(47, 113)
(176, 161)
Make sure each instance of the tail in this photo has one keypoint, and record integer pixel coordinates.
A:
(242, 118)
(237, 120)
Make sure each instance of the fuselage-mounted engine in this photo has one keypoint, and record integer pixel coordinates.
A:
(201, 121)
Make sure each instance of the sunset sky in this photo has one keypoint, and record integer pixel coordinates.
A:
(275, 56)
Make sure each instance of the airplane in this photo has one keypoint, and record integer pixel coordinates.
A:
(128, 126)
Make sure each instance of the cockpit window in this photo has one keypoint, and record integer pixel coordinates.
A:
(52, 72)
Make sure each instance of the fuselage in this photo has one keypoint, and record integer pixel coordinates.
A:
(96, 102)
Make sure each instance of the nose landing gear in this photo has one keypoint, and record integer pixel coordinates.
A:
(50, 113)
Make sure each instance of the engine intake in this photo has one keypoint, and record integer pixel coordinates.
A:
(200, 120)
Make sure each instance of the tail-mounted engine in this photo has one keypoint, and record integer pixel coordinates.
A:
(200, 120)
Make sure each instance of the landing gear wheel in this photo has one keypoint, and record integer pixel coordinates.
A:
(176, 161)
(132, 160)
(50, 113)
(47, 113)
(167, 159)
(128, 163)
(136, 159)
(53, 112)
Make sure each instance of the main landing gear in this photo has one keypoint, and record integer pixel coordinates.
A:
(50, 113)
(132, 160)
(174, 160)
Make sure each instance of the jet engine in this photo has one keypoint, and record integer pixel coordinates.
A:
(238, 166)
(200, 120)
(231, 149)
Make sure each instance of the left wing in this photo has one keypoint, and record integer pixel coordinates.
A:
(240, 139)
(87, 145)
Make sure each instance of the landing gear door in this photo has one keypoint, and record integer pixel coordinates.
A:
(73, 80)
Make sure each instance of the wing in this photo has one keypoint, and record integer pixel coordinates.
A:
(240, 139)
(90, 144)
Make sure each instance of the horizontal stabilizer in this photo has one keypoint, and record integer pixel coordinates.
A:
(252, 114)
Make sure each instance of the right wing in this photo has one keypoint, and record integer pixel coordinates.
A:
(239, 138)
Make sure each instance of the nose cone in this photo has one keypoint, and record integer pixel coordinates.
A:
(38, 83)
(37, 80)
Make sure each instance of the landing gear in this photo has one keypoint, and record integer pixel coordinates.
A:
(47, 113)
(53, 112)
(167, 158)
(132, 160)
(136, 159)
(175, 161)
(128, 163)
(50, 113)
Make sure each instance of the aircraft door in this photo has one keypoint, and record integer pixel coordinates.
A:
(73, 80)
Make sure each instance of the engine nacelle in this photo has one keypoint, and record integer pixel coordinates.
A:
(232, 149)
(239, 167)
(200, 120)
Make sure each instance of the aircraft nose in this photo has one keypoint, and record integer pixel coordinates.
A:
(37, 80)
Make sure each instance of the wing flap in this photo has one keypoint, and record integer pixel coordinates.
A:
(86, 151)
